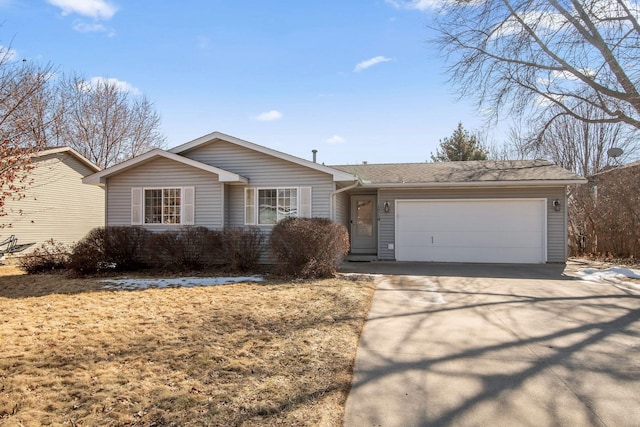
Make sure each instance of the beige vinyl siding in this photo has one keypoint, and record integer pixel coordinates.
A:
(263, 171)
(165, 173)
(556, 222)
(57, 204)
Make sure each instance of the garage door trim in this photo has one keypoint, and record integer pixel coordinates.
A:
(542, 203)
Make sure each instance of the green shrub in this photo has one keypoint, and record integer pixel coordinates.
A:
(308, 247)
(49, 256)
(241, 248)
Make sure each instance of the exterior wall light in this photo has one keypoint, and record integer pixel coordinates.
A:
(556, 205)
(387, 207)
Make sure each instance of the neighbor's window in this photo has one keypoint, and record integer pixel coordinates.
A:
(162, 205)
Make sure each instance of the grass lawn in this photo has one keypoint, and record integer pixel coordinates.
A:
(235, 355)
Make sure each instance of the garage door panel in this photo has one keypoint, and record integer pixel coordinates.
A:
(500, 230)
(497, 255)
(483, 239)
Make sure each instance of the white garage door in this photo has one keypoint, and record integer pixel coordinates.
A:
(491, 231)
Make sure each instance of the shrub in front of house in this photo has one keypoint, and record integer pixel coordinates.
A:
(49, 256)
(115, 248)
(308, 247)
(189, 248)
(241, 248)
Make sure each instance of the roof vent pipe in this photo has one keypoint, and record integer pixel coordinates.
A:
(314, 151)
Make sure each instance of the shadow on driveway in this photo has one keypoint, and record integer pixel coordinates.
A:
(511, 271)
(464, 344)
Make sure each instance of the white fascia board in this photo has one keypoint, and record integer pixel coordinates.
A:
(72, 152)
(99, 178)
(534, 183)
(337, 175)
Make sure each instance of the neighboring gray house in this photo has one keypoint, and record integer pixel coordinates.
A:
(483, 211)
(57, 205)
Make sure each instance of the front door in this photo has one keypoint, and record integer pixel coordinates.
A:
(364, 225)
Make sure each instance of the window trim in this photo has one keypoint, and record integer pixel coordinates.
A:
(144, 206)
(254, 220)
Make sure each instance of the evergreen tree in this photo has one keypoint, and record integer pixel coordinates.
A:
(461, 146)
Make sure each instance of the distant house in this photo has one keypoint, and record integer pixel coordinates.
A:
(57, 205)
(480, 211)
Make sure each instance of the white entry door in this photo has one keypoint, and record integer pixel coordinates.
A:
(364, 225)
(485, 231)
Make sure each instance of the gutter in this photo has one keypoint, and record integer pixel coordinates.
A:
(401, 185)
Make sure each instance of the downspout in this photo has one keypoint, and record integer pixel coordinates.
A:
(332, 198)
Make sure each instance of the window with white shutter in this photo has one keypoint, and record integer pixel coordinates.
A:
(136, 206)
(268, 206)
(250, 206)
(163, 206)
(305, 202)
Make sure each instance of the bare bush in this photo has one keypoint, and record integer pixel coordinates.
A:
(308, 247)
(241, 248)
(119, 248)
(604, 215)
(190, 248)
(49, 256)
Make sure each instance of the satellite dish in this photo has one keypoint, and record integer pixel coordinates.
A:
(614, 152)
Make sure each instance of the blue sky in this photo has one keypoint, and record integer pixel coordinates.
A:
(355, 79)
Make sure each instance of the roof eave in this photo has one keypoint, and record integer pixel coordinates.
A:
(528, 183)
(74, 153)
(337, 175)
(101, 177)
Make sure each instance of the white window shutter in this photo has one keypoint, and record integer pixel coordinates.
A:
(188, 202)
(136, 206)
(250, 206)
(305, 202)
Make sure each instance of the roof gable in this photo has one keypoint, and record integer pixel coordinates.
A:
(486, 172)
(338, 175)
(71, 152)
(99, 178)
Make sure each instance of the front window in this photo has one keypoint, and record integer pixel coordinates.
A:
(162, 206)
(275, 204)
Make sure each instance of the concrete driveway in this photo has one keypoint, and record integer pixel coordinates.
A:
(479, 345)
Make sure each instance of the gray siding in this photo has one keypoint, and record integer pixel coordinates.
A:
(556, 223)
(342, 209)
(57, 205)
(163, 172)
(263, 171)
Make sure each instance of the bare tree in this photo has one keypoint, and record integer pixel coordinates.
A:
(106, 123)
(525, 55)
(20, 85)
(578, 145)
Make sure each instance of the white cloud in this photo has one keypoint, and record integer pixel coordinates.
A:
(416, 4)
(269, 116)
(335, 139)
(370, 63)
(83, 27)
(120, 85)
(96, 9)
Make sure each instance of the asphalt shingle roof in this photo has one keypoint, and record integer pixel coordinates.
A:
(460, 172)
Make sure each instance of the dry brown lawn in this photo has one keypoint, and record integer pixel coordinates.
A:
(234, 355)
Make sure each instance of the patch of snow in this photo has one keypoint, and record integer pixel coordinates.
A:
(614, 275)
(178, 282)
